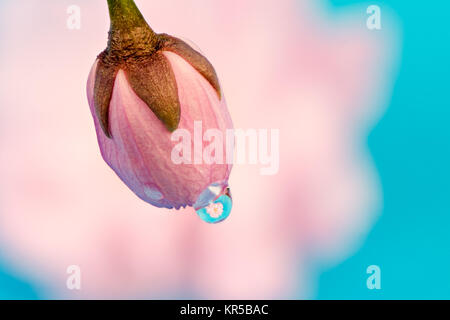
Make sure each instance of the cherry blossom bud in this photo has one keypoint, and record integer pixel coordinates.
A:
(143, 90)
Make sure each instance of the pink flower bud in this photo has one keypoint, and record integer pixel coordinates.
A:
(143, 88)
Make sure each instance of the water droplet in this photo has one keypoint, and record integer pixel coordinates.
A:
(217, 210)
(153, 193)
(211, 193)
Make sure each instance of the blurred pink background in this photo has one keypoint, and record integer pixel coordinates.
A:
(321, 79)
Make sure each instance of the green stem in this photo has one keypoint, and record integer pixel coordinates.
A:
(129, 33)
(125, 15)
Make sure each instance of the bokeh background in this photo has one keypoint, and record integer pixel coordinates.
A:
(410, 148)
(393, 214)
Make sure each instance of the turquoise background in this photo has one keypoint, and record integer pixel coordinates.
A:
(411, 150)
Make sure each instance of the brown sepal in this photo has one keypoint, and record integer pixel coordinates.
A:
(194, 58)
(104, 83)
(153, 80)
(151, 77)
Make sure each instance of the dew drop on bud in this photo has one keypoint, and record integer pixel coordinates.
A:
(214, 204)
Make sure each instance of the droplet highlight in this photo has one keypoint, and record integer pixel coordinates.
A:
(211, 193)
